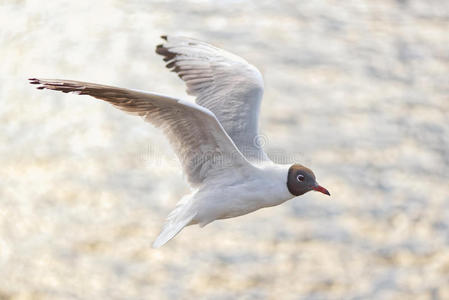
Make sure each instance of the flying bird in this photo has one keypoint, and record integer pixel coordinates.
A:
(214, 138)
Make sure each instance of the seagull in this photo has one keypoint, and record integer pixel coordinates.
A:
(215, 138)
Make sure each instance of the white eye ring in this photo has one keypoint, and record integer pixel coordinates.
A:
(300, 178)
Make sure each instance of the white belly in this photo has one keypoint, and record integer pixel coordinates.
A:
(240, 195)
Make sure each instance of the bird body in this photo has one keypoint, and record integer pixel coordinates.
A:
(242, 192)
(234, 193)
(215, 138)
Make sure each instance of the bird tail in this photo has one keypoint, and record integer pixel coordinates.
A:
(179, 218)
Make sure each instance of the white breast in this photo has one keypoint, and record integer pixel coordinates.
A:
(238, 194)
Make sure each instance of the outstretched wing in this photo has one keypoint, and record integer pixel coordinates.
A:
(200, 142)
(222, 82)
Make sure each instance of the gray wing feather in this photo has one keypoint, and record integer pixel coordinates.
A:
(200, 142)
(222, 82)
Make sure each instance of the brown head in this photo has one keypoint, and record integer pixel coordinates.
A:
(300, 180)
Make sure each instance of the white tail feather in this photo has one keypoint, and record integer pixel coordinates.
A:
(179, 218)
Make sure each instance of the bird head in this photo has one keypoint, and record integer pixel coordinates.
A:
(300, 180)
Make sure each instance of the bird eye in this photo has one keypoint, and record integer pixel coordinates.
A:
(300, 178)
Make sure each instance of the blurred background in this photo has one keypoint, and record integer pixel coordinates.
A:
(356, 90)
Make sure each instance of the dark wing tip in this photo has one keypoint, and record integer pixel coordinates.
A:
(162, 50)
(34, 81)
(41, 86)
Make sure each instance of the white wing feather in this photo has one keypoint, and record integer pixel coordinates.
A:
(222, 82)
(200, 142)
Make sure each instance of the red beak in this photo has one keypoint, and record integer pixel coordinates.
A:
(319, 188)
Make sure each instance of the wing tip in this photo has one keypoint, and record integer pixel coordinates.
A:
(160, 46)
(34, 81)
(56, 85)
(37, 81)
(167, 54)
